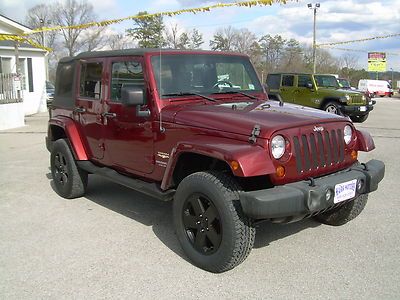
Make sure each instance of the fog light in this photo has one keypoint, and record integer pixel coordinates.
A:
(328, 194)
(360, 185)
(354, 154)
(280, 171)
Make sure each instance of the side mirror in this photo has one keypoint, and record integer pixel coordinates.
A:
(132, 95)
(309, 85)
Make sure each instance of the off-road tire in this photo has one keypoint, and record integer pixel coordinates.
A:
(237, 232)
(344, 213)
(359, 119)
(69, 181)
(332, 107)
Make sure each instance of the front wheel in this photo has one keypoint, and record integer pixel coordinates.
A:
(345, 213)
(209, 222)
(359, 119)
(332, 107)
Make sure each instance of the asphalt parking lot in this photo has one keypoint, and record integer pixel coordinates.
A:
(116, 243)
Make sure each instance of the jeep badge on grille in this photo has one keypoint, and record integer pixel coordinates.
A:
(318, 128)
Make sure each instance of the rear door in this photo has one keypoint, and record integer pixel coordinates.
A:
(287, 89)
(88, 105)
(129, 140)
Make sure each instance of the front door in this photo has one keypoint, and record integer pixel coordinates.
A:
(306, 93)
(128, 138)
(88, 105)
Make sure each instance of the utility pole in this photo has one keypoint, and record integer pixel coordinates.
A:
(314, 8)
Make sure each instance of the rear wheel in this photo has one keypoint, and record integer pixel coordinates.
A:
(344, 213)
(69, 181)
(359, 119)
(332, 107)
(210, 224)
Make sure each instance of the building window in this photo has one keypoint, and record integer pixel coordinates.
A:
(5, 65)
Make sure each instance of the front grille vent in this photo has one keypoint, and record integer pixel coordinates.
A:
(318, 150)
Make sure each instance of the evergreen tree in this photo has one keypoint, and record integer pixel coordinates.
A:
(148, 31)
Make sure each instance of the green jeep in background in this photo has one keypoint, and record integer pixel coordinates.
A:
(318, 91)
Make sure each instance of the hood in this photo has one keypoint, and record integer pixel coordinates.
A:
(240, 117)
(340, 90)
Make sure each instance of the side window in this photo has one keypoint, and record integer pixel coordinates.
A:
(65, 79)
(287, 80)
(304, 80)
(90, 83)
(273, 81)
(123, 74)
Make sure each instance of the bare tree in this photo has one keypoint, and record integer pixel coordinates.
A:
(243, 41)
(71, 13)
(223, 39)
(118, 41)
(42, 16)
(92, 39)
(172, 36)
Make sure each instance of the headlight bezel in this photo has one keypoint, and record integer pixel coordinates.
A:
(278, 142)
(348, 137)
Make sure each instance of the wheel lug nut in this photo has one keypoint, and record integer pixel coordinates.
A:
(207, 229)
(202, 230)
(198, 222)
(201, 216)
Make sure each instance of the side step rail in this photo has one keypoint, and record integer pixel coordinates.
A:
(150, 189)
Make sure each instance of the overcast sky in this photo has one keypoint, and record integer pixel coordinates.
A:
(336, 20)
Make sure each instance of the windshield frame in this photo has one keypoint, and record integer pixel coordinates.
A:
(192, 59)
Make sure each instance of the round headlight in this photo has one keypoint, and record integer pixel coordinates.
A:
(347, 97)
(347, 134)
(278, 146)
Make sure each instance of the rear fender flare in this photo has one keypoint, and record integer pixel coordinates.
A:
(73, 135)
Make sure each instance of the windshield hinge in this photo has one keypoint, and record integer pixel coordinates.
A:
(254, 134)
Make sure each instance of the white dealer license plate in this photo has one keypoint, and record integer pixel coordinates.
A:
(345, 190)
(363, 108)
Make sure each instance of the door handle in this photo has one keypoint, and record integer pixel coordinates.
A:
(79, 110)
(109, 115)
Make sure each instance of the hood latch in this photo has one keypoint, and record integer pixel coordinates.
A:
(254, 134)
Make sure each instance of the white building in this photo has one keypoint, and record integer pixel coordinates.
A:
(24, 95)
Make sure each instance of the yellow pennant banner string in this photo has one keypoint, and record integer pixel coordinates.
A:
(21, 39)
(362, 51)
(360, 40)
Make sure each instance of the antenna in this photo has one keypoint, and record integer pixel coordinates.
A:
(162, 129)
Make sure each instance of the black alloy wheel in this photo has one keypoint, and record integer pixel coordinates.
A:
(69, 180)
(202, 224)
(61, 169)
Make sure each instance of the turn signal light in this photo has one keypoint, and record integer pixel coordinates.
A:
(280, 171)
(234, 165)
(354, 154)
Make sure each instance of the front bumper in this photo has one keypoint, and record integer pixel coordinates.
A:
(356, 110)
(299, 199)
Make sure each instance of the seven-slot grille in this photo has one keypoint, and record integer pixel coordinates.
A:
(356, 99)
(318, 150)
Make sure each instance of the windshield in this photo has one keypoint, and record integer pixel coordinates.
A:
(326, 81)
(177, 75)
(344, 83)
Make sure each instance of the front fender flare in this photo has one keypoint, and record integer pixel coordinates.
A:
(253, 160)
(73, 135)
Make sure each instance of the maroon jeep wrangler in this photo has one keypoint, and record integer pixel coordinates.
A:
(196, 127)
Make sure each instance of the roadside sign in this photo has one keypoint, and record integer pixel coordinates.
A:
(376, 61)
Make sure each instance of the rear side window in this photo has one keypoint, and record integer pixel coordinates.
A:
(65, 79)
(287, 80)
(125, 74)
(90, 80)
(273, 81)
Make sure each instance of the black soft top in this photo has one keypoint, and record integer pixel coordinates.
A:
(136, 52)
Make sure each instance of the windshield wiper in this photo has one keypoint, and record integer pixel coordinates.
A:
(189, 94)
(237, 92)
